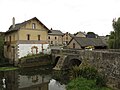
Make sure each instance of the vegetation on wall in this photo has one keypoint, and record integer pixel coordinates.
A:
(30, 58)
(3, 60)
(114, 38)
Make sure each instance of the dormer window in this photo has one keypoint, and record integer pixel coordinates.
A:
(33, 26)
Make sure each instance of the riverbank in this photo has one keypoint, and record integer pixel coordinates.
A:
(84, 84)
(8, 68)
(87, 78)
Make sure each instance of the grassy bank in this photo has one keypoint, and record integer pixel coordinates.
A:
(7, 68)
(84, 84)
(87, 78)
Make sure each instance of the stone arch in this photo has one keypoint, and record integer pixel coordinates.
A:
(74, 62)
(71, 62)
(34, 50)
(56, 60)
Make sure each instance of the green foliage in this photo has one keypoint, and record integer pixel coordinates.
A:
(61, 76)
(89, 73)
(33, 56)
(86, 72)
(84, 84)
(90, 33)
(114, 39)
(7, 68)
(100, 80)
(1, 48)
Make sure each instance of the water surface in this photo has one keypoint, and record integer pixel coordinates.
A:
(29, 79)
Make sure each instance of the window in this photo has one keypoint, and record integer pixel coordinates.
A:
(51, 42)
(55, 38)
(38, 37)
(33, 26)
(66, 37)
(73, 45)
(14, 37)
(10, 38)
(66, 42)
(49, 37)
(28, 37)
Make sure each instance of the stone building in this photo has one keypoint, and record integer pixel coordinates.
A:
(80, 34)
(66, 38)
(55, 38)
(28, 37)
(83, 43)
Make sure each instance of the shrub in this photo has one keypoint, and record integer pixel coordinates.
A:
(100, 80)
(89, 73)
(84, 84)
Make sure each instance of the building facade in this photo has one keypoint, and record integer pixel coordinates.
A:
(55, 38)
(80, 34)
(66, 38)
(86, 43)
(29, 37)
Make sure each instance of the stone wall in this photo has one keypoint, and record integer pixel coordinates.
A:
(107, 63)
(35, 60)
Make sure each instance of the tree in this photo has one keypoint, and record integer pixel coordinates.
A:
(91, 35)
(1, 46)
(114, 39)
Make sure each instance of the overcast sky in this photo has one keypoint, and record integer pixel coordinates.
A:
(65, 15)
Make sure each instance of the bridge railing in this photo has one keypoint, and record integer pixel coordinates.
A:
(77, 51)
(64, 51)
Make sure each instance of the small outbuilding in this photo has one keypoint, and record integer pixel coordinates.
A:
(83, 43)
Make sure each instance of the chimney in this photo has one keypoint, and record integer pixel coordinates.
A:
(13, 22)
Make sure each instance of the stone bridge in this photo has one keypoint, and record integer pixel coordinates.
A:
(107, 62)
(64, 59)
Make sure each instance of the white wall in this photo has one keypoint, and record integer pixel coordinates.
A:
(25, 49)
(25, 81)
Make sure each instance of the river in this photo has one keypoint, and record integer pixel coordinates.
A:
(31, 79)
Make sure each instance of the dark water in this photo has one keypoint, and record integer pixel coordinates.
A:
(31, 79)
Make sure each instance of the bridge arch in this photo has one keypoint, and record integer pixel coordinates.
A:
(56, 60)
(74, 62)
(71, 61)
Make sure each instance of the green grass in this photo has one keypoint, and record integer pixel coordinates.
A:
(84, 84)
(7, 68)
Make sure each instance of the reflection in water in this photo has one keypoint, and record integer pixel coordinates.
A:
(54, 85)
(28, 80)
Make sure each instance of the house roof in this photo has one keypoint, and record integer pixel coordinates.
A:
(55, 32)
(19, 25)
(71, 35)
(82, 41)
(80, 32)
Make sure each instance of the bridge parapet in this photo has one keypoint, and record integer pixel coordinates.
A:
(64, 51)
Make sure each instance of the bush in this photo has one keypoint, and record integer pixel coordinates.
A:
(84, 84)
(89, 73)
(100, 80)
